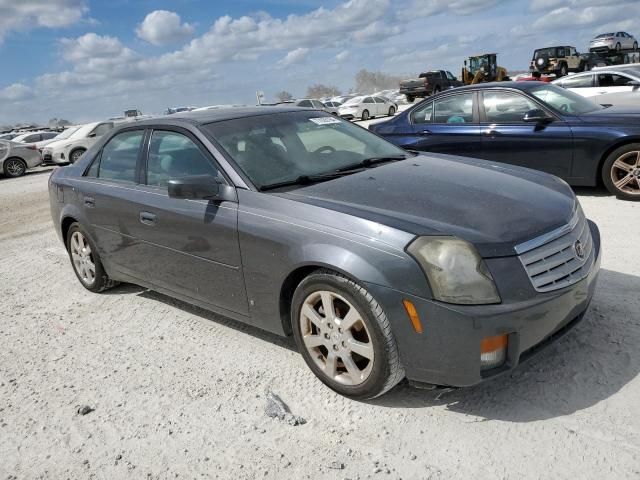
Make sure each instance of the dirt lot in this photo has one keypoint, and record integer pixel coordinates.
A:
(180, 393)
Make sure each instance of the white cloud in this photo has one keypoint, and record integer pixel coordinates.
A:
(15, 92)
(342, 56)
(162, 27)
(294, 56)
(19, 15)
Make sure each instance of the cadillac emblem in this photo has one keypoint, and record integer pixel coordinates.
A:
(579, 249)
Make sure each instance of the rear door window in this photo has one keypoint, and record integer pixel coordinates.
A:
(119, 157)
(423, 114)
(454, 109)
(582, 81)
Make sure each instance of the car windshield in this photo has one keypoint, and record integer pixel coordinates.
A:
(604, 35)
(67, 133)
(564, 101)
(353, 101)
(282, 147)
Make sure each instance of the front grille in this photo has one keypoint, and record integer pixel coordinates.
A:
(560, 258)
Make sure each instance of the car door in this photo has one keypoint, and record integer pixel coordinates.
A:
(446, 125)
(107, 194)
(189, 246)
(381, 106)
(608, 83)
(507, 138)
(369, 105)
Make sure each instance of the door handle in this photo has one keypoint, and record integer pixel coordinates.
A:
(425, 132)
(148, 218)
(89, 202)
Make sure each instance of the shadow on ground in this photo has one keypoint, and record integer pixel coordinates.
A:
(593, 362)
(590, 364)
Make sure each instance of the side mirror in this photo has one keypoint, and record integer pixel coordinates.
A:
(201, 187)
(536, 116)
(92, 135)
(635, 84)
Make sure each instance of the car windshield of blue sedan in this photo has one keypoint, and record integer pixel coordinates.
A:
(282, 147)
(564, 101)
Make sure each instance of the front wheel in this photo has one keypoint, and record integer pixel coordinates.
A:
(76, 155)
(621, 172)
(618, 47)
(365, 115)
(86, 260)
(410, 98)
(392, 111)
(344, 336)
(14, 167)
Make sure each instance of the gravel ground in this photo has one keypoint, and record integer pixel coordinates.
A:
(178, 392)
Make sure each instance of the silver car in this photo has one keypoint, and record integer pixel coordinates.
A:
(618, 41)
(16, 158)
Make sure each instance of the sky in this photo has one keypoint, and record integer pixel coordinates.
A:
(87, 60)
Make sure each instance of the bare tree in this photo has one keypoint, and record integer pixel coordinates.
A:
(369, 82)
(284, 96)
(319, 90)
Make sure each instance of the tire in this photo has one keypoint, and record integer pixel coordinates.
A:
(365, 115)
(563, 70)
(76, 154)
(410, 98)
(14, 167)
(392, 111)
(635, 45)
(436, 90)
(621, 172)
(100, 280)
(374, 375)
(618, 47)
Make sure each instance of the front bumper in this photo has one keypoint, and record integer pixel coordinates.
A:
(347, 116)
(448, 350)
(53, 158)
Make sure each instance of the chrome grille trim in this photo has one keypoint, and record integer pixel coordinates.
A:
(554, 262)
(552, 235)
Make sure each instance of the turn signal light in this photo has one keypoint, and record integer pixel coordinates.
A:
(493, 351)
(413, 315)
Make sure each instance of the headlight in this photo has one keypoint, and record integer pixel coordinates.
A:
(456, 273)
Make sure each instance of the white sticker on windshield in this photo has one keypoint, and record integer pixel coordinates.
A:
(325, 120)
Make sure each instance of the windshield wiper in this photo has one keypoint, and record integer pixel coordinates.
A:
(304, 180)
(367, 162)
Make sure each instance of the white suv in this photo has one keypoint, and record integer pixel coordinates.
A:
(70, 148)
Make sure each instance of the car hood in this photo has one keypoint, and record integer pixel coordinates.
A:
(616, 114)
(492, 205)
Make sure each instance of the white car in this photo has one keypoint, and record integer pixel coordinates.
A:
(69, 148)
(606, 85)
(16, 158)
(606, 42)
(35, 137)
(366, 107)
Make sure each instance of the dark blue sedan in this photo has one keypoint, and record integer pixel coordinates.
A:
(531, 124)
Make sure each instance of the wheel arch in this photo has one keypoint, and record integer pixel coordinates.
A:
(291, 282)
(65, 224)
(620, 143)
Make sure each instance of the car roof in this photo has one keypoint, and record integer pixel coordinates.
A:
(483, 86)
(204, 117)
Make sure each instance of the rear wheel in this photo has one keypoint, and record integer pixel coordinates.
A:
(618, 47)
(344, 336)
(410, 98)
(392, 111)
(86, 260)
(621, 172)
(14, 167)
(635, 45)
(365, 115)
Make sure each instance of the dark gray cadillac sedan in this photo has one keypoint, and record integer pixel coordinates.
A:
(383, 264)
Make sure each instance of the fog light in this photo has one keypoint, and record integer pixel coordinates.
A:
(493, 351)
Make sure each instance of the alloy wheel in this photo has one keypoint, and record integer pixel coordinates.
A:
(82, 258)
(15, 167)
(76, 155)
(625, 173)
(336, 337)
